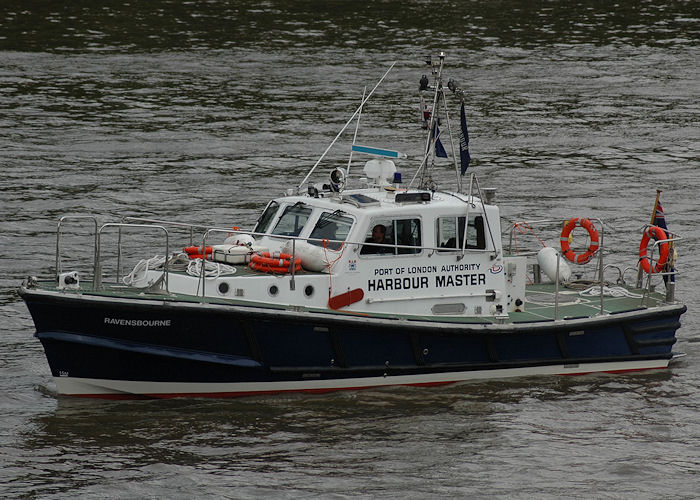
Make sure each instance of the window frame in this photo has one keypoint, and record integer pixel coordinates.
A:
(394, 252)
(261, 219)
(338, 214)
(475, 246)
(298, 230)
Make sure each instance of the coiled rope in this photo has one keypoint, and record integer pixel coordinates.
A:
(137, 276)
(612, 291)
(211, 269)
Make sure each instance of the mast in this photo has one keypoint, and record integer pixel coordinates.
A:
(426, 178)
(452, 142)
(428, 161)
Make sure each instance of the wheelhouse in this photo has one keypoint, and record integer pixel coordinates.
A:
(383, 225)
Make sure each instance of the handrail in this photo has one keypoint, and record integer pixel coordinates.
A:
(97, 275)
(470, 201)
(161, 225)
(166, 222)
(58, 240)
(184, 225)
(298, 238)
(204, 254)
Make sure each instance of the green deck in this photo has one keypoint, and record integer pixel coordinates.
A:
(540, 302)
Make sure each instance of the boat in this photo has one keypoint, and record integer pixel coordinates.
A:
(353, 281)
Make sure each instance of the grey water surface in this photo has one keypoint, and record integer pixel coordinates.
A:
(200, 111)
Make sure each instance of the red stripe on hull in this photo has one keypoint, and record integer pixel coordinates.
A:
(627, 370)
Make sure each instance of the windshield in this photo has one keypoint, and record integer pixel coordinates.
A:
(293, 220)
(331, 226)
(266, 217)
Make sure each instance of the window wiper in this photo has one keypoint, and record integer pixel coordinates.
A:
(327, 218)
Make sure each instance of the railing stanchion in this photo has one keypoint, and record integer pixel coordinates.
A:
(292, 284)
(556, 291)
(58, 240)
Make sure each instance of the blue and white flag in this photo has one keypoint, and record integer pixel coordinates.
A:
(464, 156)
(439, 148)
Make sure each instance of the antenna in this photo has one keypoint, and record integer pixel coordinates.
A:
(345, 126)
(354, 137)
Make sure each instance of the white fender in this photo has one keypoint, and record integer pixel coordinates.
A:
(313, 258)
(240, 239)
(547, 259)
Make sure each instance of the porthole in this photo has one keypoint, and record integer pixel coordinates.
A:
(273, 290)
(308, 290)
(223, 288)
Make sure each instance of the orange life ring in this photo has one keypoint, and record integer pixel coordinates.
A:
(272, 269)
(273, 263)
(566, 246)
(196, 252)
(658, 234)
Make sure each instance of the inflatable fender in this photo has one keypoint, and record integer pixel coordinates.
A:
(240, 239)
(313, 258)
(547, 259)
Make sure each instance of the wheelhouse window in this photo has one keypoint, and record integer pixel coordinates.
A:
(266, 218)
(331, 226)
(450, 232)
(293, 220)
(403, 232)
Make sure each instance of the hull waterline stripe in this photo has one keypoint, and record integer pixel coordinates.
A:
(125, 389)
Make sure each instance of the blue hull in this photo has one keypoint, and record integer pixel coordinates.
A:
(88, 337)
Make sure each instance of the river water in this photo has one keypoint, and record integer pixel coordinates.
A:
(199, 111)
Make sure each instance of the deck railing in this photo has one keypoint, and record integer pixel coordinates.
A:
(59, 232)
(547, 223)
(194, 230)
(97, 276)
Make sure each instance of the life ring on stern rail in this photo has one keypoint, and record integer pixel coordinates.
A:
(658, 234)
(592, 234)
(273, 263)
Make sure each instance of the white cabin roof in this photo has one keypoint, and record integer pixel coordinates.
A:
(380, 201)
